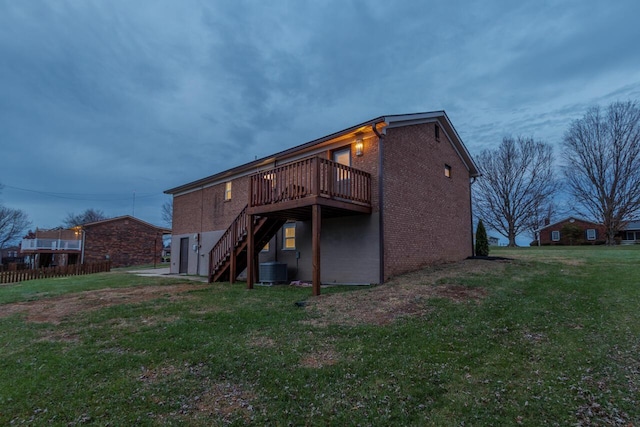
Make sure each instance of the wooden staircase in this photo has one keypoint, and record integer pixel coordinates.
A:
(233, 245)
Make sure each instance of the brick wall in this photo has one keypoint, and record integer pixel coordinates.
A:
(427, 216)
(206, 210)
(126, 241)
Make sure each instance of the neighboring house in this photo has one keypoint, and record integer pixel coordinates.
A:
(49, 248)
(124, 240)
(378, 199)
(631, 233)
(493, 241)
(10, 255)
(572, 231)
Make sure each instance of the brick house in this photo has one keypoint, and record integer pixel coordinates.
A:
(630, 234)
(375, 200)
(48, 248)
(124, 240)
(10, 258)
(572, 231)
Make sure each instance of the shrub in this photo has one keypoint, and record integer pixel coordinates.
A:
(482, 242)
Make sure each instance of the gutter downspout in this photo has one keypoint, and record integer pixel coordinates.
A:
(380, 201)
(473, 180)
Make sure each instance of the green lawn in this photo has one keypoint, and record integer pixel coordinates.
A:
(555, 340)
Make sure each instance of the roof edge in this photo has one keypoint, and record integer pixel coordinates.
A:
(168, 230)
(398, 119)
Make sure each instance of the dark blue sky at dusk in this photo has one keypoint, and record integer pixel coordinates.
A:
(101, 100)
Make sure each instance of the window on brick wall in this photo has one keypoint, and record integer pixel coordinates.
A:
(437, 132)
(265, 248)
(227, 191)
(591, 234)
(447, 171)
(555, 236)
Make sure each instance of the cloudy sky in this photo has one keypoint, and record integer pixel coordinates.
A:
(106, 104)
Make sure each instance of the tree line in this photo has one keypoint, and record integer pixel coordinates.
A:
(600, 172)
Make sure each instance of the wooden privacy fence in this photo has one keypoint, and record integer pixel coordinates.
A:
(59, 271)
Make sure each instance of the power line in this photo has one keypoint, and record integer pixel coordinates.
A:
(89, 197)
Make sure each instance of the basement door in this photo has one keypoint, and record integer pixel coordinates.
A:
(184, 256)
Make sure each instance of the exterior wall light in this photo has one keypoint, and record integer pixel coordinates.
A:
(359, 145)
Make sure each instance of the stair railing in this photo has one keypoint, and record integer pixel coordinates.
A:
(228, 242)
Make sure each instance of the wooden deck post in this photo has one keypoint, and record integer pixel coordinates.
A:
(250, 251)
(316, 221)
(232, 266)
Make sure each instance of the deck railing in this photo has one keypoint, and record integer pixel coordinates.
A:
(51, 244)
(312, 176)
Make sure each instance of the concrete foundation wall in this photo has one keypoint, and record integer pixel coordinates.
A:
(198, 261)
(349, 250)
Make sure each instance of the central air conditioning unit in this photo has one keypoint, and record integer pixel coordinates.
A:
(273, 272)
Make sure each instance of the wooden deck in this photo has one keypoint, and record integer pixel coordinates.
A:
(289, 191)
(307, 189)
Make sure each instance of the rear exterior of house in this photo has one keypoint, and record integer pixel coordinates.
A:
(367, 203)
(572, 231)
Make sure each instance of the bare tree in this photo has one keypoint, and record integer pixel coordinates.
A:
(602, 157)
(90, 215)
(517, 181)
(13, 222)
(167, 212)
(540, 216)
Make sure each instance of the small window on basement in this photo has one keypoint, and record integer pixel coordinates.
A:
(227, 191)
(289, 236)
(447, 171)
(555, 236)
(437, 132)
(591, 234)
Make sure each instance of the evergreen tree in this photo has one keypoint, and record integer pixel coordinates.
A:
(482, 242)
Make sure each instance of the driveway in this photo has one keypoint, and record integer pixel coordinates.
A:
(164, 272)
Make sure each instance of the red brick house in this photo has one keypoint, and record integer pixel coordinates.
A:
(124, 240)
(572, 231)
(375, 200)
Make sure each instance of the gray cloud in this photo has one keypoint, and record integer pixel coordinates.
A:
(101, 99)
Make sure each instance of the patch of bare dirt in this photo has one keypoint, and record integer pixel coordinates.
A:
(403, 296)
(55, 309)
(318, 359)
(225, 400)
(215, 400)
(261, 341)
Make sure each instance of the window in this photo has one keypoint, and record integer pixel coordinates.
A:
(289, 236)
(265, 248)
(555, 236)
(227, 191)
(447, 171)
(437, 132)
(343, 156)
(591, 234)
